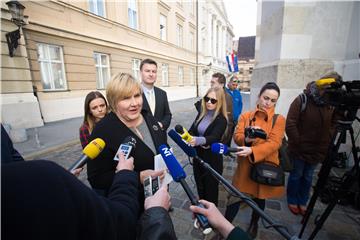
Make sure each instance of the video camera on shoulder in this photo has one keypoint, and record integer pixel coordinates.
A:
(251, 132)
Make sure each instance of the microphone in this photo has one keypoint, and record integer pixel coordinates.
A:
(183, 133)
(91, 151)
(179, 175)
(189, 150)
(220, 148)
(324, 82)
(126, 147)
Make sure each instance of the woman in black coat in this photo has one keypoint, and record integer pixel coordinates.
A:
(126, 119)
(208, 127)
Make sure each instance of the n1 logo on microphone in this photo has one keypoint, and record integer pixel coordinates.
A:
(167, 152)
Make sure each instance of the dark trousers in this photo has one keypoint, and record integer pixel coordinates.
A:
(207, 186)
(232, 209)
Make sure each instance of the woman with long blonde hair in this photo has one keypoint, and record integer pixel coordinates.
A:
(208, 127)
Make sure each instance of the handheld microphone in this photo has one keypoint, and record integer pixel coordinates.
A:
(91, 151)
(126, 147)
(220, 148)
(183, 133)
(189, 150)
(179, 175)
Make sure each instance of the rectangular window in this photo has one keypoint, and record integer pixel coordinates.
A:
(165, 74)
(192, 76)
(102, 65)
(250, 70)
(132, 14)
(97, 7)
(191, 38)
(181, 76)
(179, 35)
(163, 27)
(52, 68)
(136, 68)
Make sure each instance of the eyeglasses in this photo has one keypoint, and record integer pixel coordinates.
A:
(212, 100)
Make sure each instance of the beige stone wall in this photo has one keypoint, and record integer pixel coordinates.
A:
(19, 106)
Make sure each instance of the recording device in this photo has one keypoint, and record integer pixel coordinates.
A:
(251, 132)
(178, 174)
(183, 133)
(220, 148)
(126, 147)
(91, 151)
(151, 185)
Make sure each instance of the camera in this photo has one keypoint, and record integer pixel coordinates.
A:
(255, 133)
(343, 94)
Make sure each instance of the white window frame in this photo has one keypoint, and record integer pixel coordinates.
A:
(179, 35)
(165, 74)
(101, 83)
(133, 14)
(192, 76)
(136, 68)
(181, 76)
(163, 27)
(96, 9)
(49, 69)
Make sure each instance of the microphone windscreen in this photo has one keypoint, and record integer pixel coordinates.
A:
(190, 151)
(179, 129)
(219, 148)
(175, 169)
(93, 149)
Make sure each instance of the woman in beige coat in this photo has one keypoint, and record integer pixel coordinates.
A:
(254, 150)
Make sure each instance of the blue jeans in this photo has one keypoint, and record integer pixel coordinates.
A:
(299, 182)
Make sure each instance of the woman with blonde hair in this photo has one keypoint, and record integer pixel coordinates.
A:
(95, 108)
(126, 119)
(208, 127)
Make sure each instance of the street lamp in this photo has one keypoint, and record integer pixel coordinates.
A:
(17, 16)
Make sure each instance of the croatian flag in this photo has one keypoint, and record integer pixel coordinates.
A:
(232, 62)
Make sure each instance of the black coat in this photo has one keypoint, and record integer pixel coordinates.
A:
(41, 200)
(212, 134)
(162, 109)
(113, 131)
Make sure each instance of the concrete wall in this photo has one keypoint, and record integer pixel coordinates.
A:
(297, 42)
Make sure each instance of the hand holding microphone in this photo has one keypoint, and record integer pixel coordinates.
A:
(178, 174)
(184, 134)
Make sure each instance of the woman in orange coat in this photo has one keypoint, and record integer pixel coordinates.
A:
(254, 150)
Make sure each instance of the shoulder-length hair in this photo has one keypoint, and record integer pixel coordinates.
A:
(89, 119)
(220, 107)
(121, 86)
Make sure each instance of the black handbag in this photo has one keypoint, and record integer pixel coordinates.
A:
(267, 173)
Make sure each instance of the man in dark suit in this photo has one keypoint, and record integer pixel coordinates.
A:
(154, 99)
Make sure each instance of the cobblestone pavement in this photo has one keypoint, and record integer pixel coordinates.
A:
(343, 222)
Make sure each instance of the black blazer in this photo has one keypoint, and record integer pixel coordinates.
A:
(212, 134)
(162, 109)
(113, 131)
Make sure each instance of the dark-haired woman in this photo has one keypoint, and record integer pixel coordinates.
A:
(95, 108)
(208, 127)
(255, 150)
